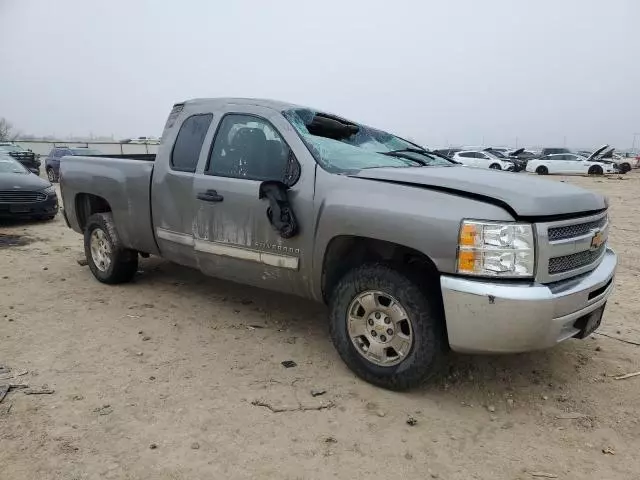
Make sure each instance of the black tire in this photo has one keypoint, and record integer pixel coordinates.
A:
(625, 167)
(542, 170)
(495, 166)
(595, 170)
(423, 311)
(123, 262)
(51, 175)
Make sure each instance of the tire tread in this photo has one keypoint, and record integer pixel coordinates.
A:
(427, 323)
(124, 263)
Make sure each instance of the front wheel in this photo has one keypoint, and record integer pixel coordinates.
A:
(595, 170)
(387, 330)
(495, 166)
(542, 170)
(625, 167)
(108, 260)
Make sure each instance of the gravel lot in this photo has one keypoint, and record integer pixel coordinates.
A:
(166, 378)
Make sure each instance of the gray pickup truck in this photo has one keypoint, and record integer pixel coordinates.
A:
(413, 254)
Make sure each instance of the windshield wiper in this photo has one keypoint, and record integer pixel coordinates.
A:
(409, 149)
(400, 153)
(426, 153)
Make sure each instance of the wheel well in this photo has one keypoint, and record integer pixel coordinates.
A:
(494, 165)
(87, 204)
(347, 252)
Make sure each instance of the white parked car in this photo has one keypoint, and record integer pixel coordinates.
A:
(482, 159)
(570, 164)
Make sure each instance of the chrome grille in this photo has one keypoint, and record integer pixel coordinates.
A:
(19, 196)
(565, 248)
(571, 231)
(574, 261)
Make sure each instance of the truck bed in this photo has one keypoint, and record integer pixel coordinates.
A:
(121, 182)
(147, 157)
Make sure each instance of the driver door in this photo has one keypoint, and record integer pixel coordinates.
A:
(482, 160)
(234, 237)
(574, 164)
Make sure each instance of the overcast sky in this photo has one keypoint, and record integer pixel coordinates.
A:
(462, 72)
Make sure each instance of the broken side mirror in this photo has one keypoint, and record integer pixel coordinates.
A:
(279, 212)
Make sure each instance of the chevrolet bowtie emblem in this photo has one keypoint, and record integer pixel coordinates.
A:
(597, 240)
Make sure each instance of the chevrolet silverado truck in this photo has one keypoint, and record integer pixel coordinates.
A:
(413, 254)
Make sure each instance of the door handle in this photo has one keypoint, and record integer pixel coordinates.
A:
(210, 196)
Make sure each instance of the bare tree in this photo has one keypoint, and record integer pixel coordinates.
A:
(7, 133)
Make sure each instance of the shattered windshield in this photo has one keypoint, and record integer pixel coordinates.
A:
(341, 146)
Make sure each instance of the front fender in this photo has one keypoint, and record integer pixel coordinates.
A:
(419, 218)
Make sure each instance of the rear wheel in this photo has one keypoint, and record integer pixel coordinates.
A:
(542, 170)
(51, 175)
(385, 327)
(495, 166)
(595, 170)
(108, 260)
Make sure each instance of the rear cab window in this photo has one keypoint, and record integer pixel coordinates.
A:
(188, 144)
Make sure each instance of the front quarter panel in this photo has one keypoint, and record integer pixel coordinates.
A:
(419, 218)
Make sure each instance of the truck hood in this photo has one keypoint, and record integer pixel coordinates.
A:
(521, 194)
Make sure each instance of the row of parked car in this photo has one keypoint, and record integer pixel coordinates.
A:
(32, 162)
(23, 193)
(548, 161)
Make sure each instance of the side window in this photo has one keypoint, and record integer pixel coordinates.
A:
(466, 155)
(186, 150)
(250, 147)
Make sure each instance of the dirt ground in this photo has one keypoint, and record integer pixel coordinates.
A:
(164, 379)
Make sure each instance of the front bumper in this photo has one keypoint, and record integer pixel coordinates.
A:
(485, 316)
(32, 209)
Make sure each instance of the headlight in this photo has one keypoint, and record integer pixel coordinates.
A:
(496, 249)
(50, 190)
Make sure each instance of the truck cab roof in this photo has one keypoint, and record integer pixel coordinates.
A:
(260, 102)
